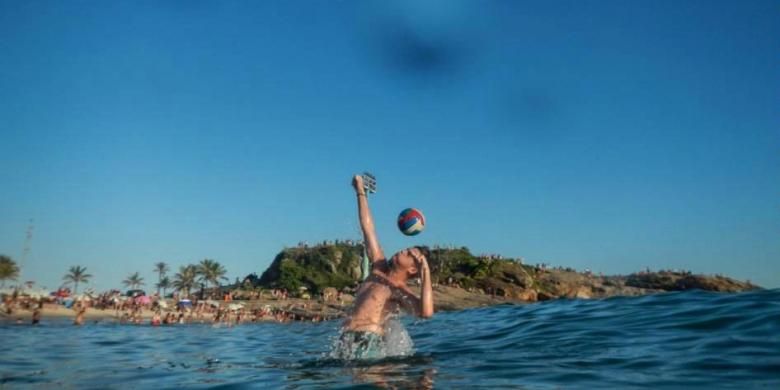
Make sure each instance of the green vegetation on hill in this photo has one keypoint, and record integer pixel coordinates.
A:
(315, 268)
(338, 265)
(459, 266)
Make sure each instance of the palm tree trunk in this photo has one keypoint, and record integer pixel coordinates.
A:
(159, 278)
(76, 289)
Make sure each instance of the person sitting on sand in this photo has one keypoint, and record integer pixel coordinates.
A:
(384, 292)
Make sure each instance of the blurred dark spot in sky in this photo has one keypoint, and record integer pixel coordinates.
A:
(456, 49)
(403, 50)
(422, 42)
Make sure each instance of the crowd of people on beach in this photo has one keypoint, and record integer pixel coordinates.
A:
(206, 313)
(157, 311)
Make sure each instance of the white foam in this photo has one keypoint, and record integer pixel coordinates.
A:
(396, 342)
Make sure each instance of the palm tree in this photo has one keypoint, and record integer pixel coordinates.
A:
(161, 269)
(211, 272)
(8, 270)
(76, 275)
(134, 281)
(184, 280)
(164, 284)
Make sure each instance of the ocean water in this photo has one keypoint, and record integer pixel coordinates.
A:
(676, 340)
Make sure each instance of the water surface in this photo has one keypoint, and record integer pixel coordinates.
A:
(676, 340)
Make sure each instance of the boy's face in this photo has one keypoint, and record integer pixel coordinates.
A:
(408, 260)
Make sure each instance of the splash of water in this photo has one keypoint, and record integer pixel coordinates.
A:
(396, 342)
(397, 339)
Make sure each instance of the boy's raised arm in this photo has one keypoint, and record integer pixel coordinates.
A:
(373, 250)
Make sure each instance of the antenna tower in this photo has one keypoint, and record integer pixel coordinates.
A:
(27, 245)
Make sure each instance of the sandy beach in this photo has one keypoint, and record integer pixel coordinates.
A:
(447, 298)
(302, 309)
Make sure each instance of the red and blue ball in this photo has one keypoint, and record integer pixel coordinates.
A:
(411, 222)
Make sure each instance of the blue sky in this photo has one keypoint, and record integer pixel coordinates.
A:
(605, 135)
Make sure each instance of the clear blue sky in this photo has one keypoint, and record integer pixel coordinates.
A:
(608, 135)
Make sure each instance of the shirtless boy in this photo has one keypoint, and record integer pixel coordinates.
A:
(384, 292)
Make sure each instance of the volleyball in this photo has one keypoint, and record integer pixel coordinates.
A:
(411, 222)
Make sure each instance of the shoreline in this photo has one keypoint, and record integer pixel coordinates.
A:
(445, 298)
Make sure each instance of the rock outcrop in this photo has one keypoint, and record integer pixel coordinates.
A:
(338, 266)
(315, 268)
(678, 281)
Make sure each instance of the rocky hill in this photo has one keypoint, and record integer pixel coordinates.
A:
(338, 265)
(317, 267)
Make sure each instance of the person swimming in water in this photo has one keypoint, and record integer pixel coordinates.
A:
(80, 311)
(384, 292)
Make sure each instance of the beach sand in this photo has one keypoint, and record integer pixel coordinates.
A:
(301, 307)
(51, 310)
(445, 298)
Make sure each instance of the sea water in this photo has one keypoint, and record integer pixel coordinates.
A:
(675, 340)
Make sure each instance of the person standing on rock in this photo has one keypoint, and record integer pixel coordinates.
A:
(384, 293)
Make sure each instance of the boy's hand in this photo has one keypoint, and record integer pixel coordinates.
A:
(422, 262)
(357, 183)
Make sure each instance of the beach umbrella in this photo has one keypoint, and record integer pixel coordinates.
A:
(142, 300)
(162, 304)
(185, 303)
(235, 306)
